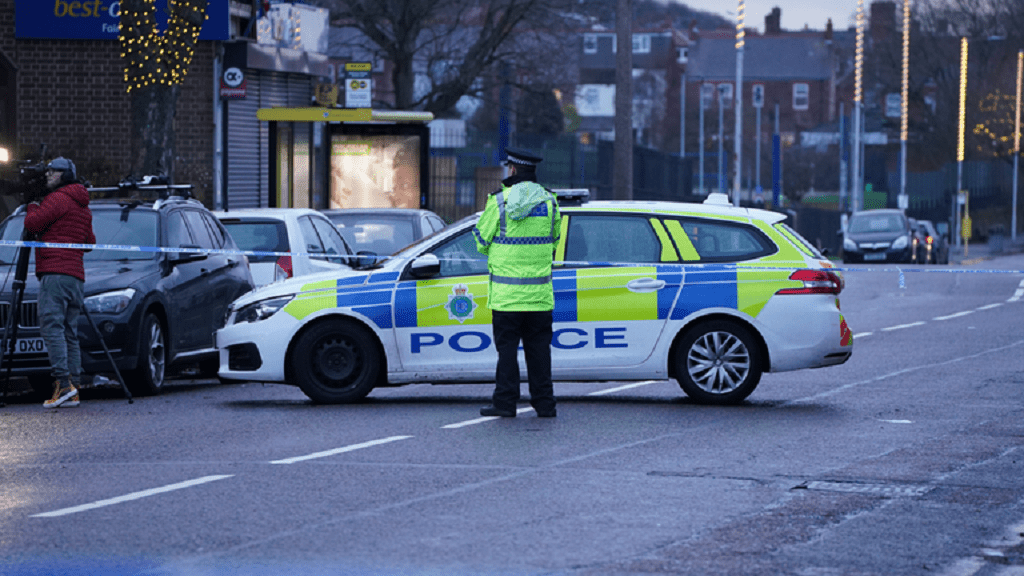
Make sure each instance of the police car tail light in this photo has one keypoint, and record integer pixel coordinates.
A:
(815, 282)
(283, 268)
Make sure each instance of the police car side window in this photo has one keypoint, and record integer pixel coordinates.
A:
(718, 241)
(594, 238)
(459, 257)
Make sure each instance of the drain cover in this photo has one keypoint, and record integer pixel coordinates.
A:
(885, 490)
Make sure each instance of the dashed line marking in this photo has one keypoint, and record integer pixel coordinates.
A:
(862, 334)
(341, 450)
(1018, 294)
(956, 315)
(902, 326)
(132, 496)
(990, 306)
(621, 388)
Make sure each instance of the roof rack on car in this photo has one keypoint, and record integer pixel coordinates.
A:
(571, 196)
(146, 189)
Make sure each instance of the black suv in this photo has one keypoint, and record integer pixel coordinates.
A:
(157, 310)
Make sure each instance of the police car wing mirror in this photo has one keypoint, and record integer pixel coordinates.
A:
(366, 259)
(189, 253)
(425, 266)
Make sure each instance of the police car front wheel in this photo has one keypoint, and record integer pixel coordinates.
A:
(334, 362)
(718, 362)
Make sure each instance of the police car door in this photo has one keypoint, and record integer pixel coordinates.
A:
(614, 292)
(442, 323)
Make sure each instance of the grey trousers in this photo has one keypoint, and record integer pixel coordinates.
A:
(61, 300)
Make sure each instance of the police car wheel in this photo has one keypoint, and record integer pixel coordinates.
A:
(335, 362)
(718, 362)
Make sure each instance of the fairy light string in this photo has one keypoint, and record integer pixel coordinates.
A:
(152, 57)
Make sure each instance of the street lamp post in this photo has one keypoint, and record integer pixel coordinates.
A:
(903, 200)
(960, 137)
(1016, 147)
(738, 94)
(857, 185)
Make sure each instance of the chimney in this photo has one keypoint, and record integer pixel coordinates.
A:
(773, 22)
(883, 21)
(828, 31)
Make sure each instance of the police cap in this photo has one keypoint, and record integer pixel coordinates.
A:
(522, 157)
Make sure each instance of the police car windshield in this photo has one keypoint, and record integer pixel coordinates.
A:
(431, 237)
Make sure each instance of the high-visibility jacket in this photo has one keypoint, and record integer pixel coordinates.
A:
(518, 232)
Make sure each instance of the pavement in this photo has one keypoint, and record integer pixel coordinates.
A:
(973, 253)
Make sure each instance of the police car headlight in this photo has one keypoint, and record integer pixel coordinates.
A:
(900, 242)
(261, 310)
(110, 302)
(849, 245)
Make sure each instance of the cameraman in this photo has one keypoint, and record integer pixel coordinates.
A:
(62, 217)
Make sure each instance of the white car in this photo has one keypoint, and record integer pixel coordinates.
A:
(313, 242)
(708, 294)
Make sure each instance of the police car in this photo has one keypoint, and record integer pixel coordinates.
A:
(708, 294)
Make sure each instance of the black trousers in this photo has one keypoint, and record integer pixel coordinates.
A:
(533, 329)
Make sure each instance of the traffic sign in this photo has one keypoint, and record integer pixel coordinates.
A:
(758, 98)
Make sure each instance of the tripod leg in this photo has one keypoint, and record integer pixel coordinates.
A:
(109, 357)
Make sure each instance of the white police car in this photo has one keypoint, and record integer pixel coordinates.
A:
(708, 294)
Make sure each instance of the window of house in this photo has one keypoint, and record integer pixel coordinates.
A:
(641, 43)
(801, 96)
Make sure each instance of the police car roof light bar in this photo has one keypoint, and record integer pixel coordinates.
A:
(571, 196)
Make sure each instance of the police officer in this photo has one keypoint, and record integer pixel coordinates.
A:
(518, 232)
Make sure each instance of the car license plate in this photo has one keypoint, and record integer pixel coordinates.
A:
(875, 256)
(30, 346)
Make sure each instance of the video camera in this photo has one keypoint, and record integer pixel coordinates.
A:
(29, 184)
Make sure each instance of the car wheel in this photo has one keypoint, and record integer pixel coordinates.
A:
(148, 377)
(718, 362)
(335, 362)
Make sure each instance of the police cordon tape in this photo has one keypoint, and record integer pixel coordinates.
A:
(719, 266)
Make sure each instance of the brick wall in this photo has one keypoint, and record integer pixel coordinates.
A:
(71, 96)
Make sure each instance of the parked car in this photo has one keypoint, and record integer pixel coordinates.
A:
(709, 294)
(157, 310)
(933, 248)
(313, 242)
(879, 235)
(384, 231)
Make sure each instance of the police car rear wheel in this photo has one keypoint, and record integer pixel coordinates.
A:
(718, 362)
(335, 362)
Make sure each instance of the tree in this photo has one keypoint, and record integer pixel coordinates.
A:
(441, 50)
(155, 64)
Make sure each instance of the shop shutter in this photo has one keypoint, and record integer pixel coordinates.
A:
(245, 153)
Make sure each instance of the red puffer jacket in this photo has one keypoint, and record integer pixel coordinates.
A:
(63, 217)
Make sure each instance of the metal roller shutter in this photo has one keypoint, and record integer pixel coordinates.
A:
(244, 152)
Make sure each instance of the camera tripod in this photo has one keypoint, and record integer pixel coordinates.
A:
(9, 341)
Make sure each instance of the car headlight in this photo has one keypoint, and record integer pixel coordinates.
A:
(900, 242)
(849, 245)
(110, 302)
(261, 310)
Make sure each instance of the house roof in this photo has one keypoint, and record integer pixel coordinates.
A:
(764, 58)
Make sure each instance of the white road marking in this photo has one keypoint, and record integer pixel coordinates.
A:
(901, 326)
(341, 450)
(990, 306)
(132, 496)
(898, 421)
(957, 315)
(964, 567)
(481, 420)
(862, 334)
(625, 387)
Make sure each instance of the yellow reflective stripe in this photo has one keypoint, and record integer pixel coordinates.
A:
(313, 297)
(682, 240)
(668, 252)
(755, 287)
(601, 295)
(800, 245)
(560, 250)
(432, 301)
(787, 252)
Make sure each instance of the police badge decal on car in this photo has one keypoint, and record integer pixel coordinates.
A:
(460, 304)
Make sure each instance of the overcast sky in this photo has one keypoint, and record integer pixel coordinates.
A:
(795, 13)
